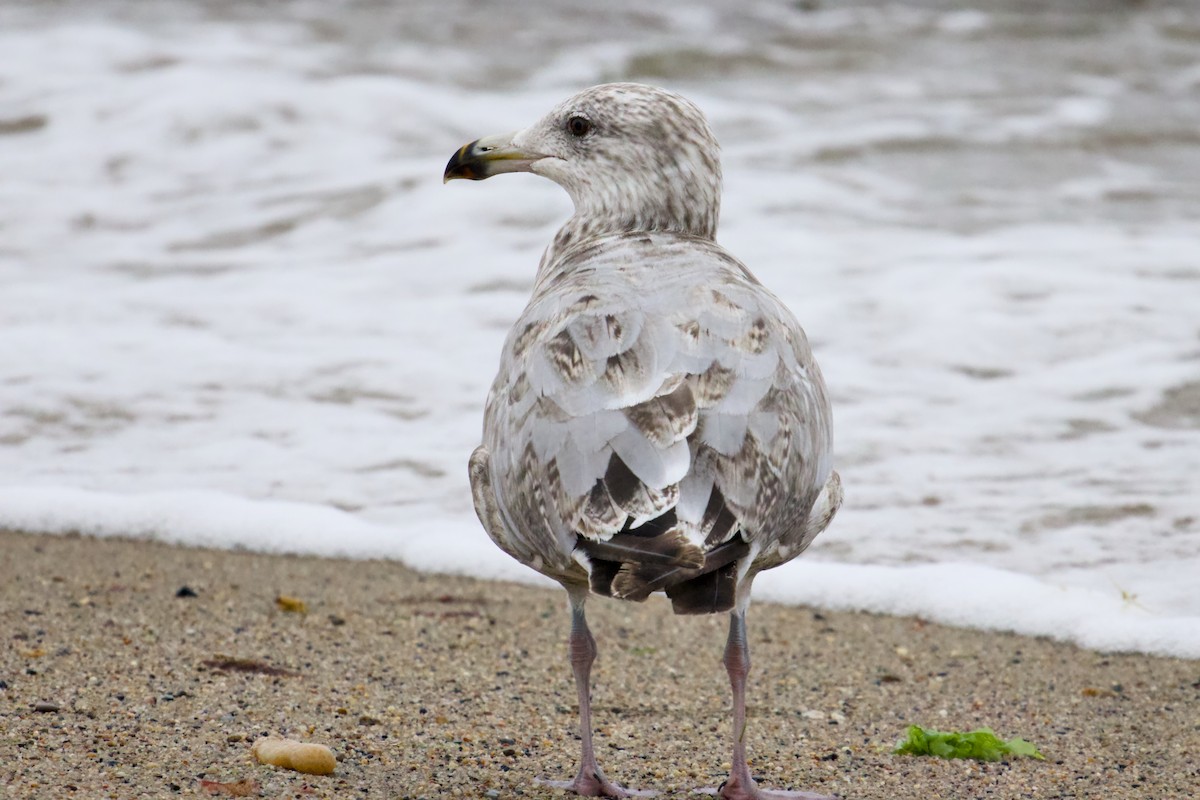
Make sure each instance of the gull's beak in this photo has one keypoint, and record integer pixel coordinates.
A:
(488, 156)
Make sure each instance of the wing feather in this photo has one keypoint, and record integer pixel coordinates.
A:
(656, 467)
(656, 418)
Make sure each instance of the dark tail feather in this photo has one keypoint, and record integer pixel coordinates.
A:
(670, 548)
(638, 581)
(601, 575)
(710, 593)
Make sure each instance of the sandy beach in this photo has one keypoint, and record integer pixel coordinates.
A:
(432, 686)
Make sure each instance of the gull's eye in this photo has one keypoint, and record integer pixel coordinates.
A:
(579, 126)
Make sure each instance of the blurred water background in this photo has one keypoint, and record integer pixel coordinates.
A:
(238, 307)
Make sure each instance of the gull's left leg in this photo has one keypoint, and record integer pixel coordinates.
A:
(740, 785)
(581, 648)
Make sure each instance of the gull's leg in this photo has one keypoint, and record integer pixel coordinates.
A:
(740, 785)
(581, 650)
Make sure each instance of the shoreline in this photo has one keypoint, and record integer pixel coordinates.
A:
(427, 684)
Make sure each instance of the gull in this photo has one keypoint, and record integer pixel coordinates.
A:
(658, 422)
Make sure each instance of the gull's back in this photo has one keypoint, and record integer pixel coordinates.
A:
(658, 423)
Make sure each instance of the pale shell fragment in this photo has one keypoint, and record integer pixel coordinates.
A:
(313, 759)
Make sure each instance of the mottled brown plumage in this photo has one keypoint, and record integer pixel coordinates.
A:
(680, 385)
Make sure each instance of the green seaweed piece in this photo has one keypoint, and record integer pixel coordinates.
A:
(981, 744)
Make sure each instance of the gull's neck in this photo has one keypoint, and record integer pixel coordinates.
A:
(693, 215)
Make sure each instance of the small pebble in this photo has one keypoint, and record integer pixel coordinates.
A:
(291, 605)
(313, 759)
(46, 707)
(186, 591)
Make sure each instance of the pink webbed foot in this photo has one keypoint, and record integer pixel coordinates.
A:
(592, 783)
(731, 790)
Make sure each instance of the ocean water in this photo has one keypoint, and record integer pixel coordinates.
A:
(239, 308)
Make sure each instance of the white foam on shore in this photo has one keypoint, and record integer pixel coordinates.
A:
(968, 595)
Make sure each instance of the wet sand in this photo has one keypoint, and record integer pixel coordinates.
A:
(433, 686)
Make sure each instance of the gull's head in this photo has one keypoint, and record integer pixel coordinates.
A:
(632, 157)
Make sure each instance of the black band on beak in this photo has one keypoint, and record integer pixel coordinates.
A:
(465, 164)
